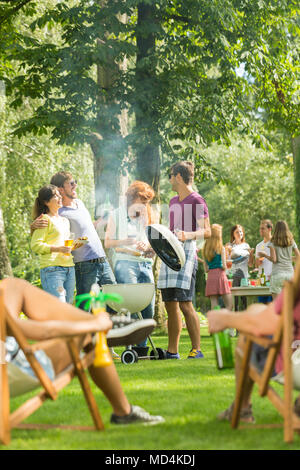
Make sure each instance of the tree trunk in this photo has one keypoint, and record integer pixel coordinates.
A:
(296, 158)
(5, 267)
(107, 142)
(148, 155)
(147, 150)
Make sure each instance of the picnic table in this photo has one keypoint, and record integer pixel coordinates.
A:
(250, 290)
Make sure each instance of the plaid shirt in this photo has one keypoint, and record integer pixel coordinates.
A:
(180, 279)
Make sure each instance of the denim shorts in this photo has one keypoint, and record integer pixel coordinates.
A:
(175, 294)
(59, 281)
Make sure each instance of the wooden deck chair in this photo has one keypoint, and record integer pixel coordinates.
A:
(50, 388)
(283, 337)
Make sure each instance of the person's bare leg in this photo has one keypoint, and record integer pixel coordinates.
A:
(214, 301)
(38, 305)
(21, 296)
(227, 298)
(174, 326)
(192, 323)
(106, 378)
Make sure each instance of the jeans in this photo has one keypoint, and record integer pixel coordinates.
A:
(59, 281)
(236, 282)
(131, 272)
(88, 273)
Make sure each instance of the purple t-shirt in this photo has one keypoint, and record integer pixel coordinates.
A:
(184, 214)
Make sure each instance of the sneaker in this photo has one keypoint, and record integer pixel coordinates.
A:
(246, 415)
(126, 331)
(172, 355)
(137, 415)
(195, 354)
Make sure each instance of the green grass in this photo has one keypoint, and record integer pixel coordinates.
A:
(188, 393)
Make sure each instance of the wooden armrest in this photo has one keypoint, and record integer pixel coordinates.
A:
(31, 348)
(261, 340)
(265, 342)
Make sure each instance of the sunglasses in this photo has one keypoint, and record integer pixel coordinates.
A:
(73, 183)
(170, 175)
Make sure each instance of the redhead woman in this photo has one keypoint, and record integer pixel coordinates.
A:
(125, 233)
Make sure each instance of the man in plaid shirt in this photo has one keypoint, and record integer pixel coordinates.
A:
(189, 219)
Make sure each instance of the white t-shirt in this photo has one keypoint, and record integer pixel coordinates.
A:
(266, 264)
(240, 257)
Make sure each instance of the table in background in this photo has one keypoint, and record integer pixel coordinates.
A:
(249, 291)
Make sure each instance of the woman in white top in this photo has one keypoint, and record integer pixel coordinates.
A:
(241, 256)
(282, 246)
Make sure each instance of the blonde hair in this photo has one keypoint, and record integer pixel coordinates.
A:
(282, 235)
(214, 244)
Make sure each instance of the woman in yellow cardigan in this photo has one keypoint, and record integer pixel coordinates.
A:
(56, 262)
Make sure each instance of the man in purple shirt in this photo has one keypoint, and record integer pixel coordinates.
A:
(189, 220)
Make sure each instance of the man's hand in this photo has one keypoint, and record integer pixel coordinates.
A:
(39, 222)
(217, 320)
(180, 235)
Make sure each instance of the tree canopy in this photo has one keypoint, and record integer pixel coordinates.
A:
(195, 93)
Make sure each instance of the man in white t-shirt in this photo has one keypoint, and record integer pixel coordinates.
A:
(265, 231)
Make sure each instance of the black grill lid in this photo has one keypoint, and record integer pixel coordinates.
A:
(166, 245)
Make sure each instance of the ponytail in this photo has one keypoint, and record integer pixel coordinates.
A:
(45, 194)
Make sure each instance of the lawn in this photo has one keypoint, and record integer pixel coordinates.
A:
(188, 393)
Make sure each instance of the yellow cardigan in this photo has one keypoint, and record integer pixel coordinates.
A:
(56, 232)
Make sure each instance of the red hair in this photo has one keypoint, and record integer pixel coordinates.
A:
(143, 191)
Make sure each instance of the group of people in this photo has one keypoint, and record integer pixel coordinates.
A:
(274, 257)
(58, 211)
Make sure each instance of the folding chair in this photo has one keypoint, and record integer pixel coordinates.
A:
(282, 337)
(50, 388)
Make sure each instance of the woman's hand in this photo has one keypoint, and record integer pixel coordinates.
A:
(128, 241)
(101, 322)
(142, 246)
(61, 249)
